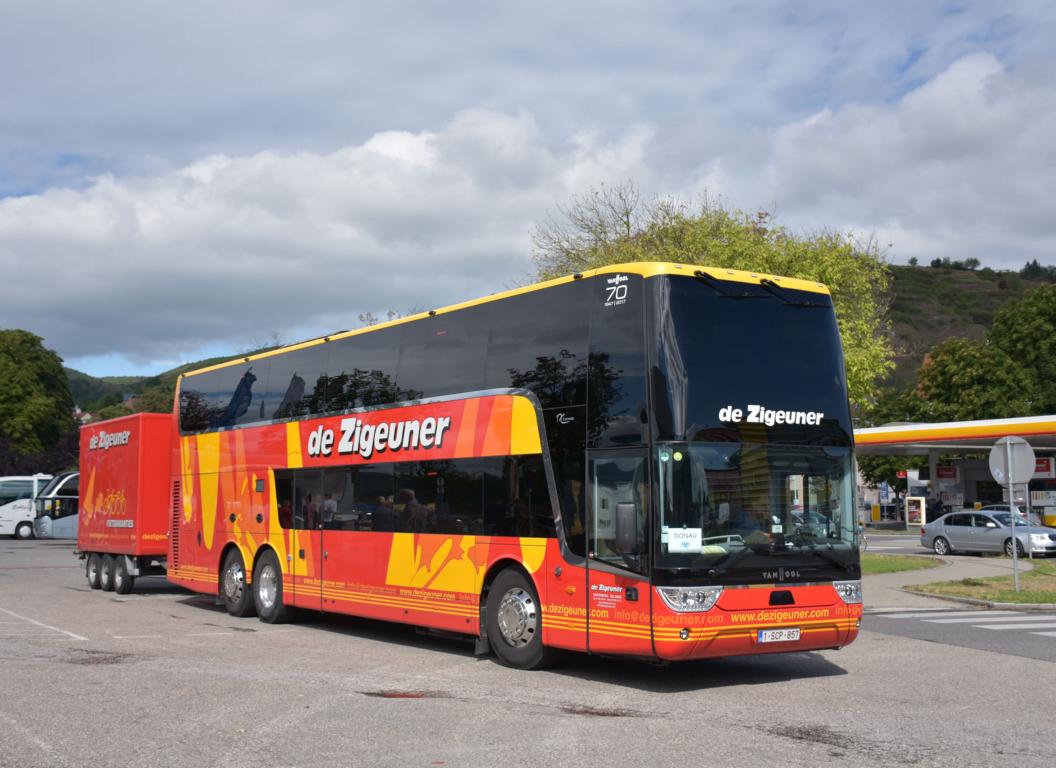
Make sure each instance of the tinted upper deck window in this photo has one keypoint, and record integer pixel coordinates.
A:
(363, 370)
(221, 398)
(296, 382)
(444, 355)
(616, 393)
(538, 341)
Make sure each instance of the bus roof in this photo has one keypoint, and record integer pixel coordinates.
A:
(643, 268)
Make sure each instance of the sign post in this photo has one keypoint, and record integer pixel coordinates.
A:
(1012, 462)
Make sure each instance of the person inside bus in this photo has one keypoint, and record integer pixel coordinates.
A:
(308, 512)
(329, 508)
(286, 513)
(382, 517)
(415, 516)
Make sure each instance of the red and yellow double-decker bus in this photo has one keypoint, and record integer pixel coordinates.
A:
(652, 460)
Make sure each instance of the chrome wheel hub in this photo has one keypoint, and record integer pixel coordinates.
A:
(267, 587)
(518, 617)
(234, 581)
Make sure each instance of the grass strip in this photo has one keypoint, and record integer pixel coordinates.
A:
(893, 563)
(1036, 586)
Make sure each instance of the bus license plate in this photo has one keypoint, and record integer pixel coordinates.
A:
(778, 635)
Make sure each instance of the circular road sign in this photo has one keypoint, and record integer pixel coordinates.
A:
(1022, 468)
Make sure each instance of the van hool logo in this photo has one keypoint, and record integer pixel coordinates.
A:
(107, 440)
(368, 439)
(758, 414)
(616, 290)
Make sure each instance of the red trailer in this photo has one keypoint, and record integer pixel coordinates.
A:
(124, 499)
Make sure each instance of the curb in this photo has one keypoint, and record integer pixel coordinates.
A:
(1025, 607)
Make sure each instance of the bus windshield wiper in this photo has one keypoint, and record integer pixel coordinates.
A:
(782, 293)
(716, 286)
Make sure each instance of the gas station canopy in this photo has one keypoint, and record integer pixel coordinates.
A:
(954, 436)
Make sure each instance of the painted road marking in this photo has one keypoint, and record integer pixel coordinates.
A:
(939, 612)
(41, 624)
(1019, 626)
(1047, 617)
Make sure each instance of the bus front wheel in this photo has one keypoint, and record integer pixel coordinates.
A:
(95, 564)
(106, 573)
(24, 531)
(515, 622)
(267, 590)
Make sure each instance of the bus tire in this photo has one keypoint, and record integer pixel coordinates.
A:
(235, 593)
(92, 569)
(267, 590)
(106, 574)
(515, 623)
(24, 531)
(123, 580)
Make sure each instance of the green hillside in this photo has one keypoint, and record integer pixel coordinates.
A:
(102, 397)
(931, 304)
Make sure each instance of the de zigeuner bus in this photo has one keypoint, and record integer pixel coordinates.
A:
(651, 460)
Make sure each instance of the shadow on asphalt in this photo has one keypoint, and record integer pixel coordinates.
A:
(632, 673)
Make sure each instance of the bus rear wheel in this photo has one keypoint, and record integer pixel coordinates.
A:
(515, 622)
(234, 591)
(267, 590)
(92, 569)
(24, 531)
(106, 573)
(123, 580)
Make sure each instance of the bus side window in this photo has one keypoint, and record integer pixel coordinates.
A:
(373, 496)
(284, 498)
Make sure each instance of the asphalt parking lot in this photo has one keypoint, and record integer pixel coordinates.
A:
(166, 677)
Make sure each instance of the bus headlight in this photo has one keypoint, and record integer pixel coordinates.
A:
(690, 599)
(849, 591)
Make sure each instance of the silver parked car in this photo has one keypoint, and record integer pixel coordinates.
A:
(978, 531)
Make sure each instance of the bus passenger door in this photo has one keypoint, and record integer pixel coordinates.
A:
(618, 614)
(305, 545)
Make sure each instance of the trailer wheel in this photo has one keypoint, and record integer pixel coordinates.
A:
(234, 591)
(106, 574)
(515, 622)
(91, 570)
(267, 590)
(123, 580)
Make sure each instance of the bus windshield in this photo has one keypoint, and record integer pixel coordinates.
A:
(747, 364)
(721, 501)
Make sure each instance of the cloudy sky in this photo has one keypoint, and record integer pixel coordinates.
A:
(195, 178)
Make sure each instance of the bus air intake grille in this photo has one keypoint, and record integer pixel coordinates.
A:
(782, 597)
(175, 528)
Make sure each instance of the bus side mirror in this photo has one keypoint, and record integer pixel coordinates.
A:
(627, 528)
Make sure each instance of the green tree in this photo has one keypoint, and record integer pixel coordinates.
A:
(964, 379)
(1025, 330)
(611, 225)
(36, 409)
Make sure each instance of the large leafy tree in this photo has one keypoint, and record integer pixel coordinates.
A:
(1025, 330)
(964, 379)
(611, 225)
(36, 410)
